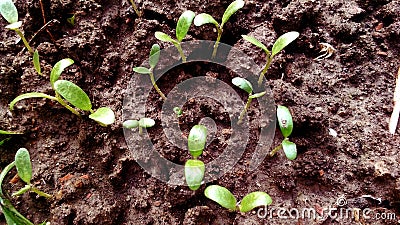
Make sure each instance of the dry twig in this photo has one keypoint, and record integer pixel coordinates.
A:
(396, 108)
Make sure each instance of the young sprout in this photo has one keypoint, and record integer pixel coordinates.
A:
(246, 86)
(182, 27)
(67, 93)
(285, 122)
(10, 13)
(225, 198)
(142, 123)
(24, 169)
(205, 18)
(279, 44)
(36, 62)
(71, 20)
(138, 13)
(178, 111)
(153, 60)
(194, 168)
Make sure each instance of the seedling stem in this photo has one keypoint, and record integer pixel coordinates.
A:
(264, 71)
(153, 82)
(138, 13)
(18, 31)
(249, 100)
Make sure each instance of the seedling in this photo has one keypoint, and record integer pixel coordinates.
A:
(182, 27)
(178, 111)
(24, 168)
(285, 122)
(67, 93)
(246, 86)
(6, 133)
(138, 13)
(205, 18)
(10, 13)
(194, 168)
(153, 60)
(279, 44)
(226, 199)
(142, 123)
(71, 20)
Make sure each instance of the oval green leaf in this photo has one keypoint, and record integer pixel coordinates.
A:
(58, 68)
(253, 200)
(232, 8)
(257, 95)
(146, 122)
(194, 173)
(22, 190)
(23, 164)
(283, 41)
(29, 95)
(130, 124)
(285, 120)
(255, 42)
(9, 11)
(204, 18)
(36, 62)
(73, 94)
(164, 37)
(104, 116)
(197, 140)
(141, 70)
(154, 55)
(221, 195)
(290, 149)
(183, 25)
(243, 84)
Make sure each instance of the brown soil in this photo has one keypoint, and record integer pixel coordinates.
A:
(350, 92)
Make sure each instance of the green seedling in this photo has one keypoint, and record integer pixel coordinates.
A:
(285, 122)
(3, 132)
(194, 168)
(279, 44)
(71, 20)
(67, 93)
(10, 13)
(142, 123)
(24, 168)
(153, 60)
(182, 27)
(138, 13)
(246, 86)
(178, 111)
(205, 18)
(225, 198)
(36, 62)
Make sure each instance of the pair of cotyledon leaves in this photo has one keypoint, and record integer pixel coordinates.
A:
(194, 168)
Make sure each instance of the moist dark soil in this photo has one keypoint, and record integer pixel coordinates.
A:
(91, 171)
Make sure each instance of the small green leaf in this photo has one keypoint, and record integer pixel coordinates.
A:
(257, 95)
(3, 141)
(283, 41)
(14, 26)
(255, 42)
(22, 190)
(290, 149)
(130, 124)
(9, 132)
(9, 11)
(146, 122)
(232, 8)
(183, 25)
(285, 120)
(104, 116)
(36, 62)
(194, 173)
(71, 20)
(73, 94)
(178, 111)
(58, 68)
(243, 84)
(221, 195)
(197, 140)
(154, 55)
(23, 164)
(141, 70)
(164, 37)
(29, 95)
(13, 217)
(253, 200)
(204, 18)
